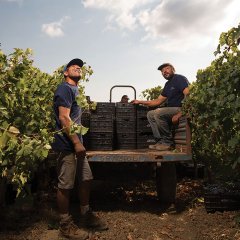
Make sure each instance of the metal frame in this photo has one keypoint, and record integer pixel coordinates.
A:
(135, 94)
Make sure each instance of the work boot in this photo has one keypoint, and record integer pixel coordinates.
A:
(152, 146)
(69, 230)
(162, 147)
(91, 220)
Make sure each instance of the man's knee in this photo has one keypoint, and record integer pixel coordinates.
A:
(150, 114)
(155, 114)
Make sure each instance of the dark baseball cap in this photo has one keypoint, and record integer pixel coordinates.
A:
(125, 96)
(75, 61)
(165, 65)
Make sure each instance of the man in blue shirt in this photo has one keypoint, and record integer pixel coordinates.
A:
(72, 162)
(161, 119)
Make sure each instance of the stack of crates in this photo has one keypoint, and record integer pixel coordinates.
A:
(126, 125)
(85, 121)
(101, 132)
(144, 131)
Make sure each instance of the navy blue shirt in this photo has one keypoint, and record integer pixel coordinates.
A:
(65, 96)
(173, 90)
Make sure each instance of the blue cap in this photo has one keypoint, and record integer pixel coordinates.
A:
(165, 65)
(75, 61)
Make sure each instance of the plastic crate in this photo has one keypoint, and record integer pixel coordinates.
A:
(221, 203)
(101, 135)
(102, 116)
(86, 140)
(144, 139)
(221, 198)
(126, 116)
(102, 147)
(101, 141)
(125, 108)
(104, 107)
(142, 111)
(143, 124)
(85, 119)
(123, 125)
(126, 146)
(144, 135)
(126, 138)
(143, 145)
(101, 126)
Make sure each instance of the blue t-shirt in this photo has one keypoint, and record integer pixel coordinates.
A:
(65, 96)
(173, 90)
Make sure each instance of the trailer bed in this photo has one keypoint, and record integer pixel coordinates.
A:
(137, 155)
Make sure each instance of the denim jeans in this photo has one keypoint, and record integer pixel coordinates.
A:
(160, 121)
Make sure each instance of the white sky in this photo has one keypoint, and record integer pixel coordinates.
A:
(124, 41)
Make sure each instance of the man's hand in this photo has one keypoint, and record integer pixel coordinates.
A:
(80, 151)
(135, 101)
(176, 117)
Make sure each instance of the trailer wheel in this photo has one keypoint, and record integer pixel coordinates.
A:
(166, 182)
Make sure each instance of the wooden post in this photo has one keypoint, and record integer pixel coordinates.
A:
(3, 185)
(166, 182)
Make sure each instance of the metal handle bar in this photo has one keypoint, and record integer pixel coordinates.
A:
(135, 95)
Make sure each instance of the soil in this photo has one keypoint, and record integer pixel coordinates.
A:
(131, 210)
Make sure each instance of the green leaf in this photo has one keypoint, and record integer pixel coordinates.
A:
(233, 142)
(20, 152)
(4, 163)
(45, 153)
(4, 139)
(83, 130)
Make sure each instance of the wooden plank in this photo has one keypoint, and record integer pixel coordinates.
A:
(180, 133)
(183, 142)
(136, 156)
(182, 148)
(181, 125)
(179, 130)
(177, 138)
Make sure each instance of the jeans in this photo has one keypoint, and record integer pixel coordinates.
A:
(160, 121)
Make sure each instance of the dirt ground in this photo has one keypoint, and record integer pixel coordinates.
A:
(131, 210)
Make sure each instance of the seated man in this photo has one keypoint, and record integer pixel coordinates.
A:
(161, 119)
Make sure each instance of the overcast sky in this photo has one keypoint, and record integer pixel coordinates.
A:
(124, 41)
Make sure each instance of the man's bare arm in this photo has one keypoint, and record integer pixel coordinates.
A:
(151, 103)
(186, 91)
(64, 117)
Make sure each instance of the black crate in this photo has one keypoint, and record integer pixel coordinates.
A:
(221, 198)
(143, 123)
(126, 146)
(126, 135)
(125, 108)
(101, 116)
(100, 147)
(144, 139)
(101, 141)
(221, 203)
(126, 116)
(144, 145)
(142, 111)
(101, 135)
(125, 125)
(101, 126)
(144, 134)
(85, 119)
(105, 107)
(86, 140)
(126, 140)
